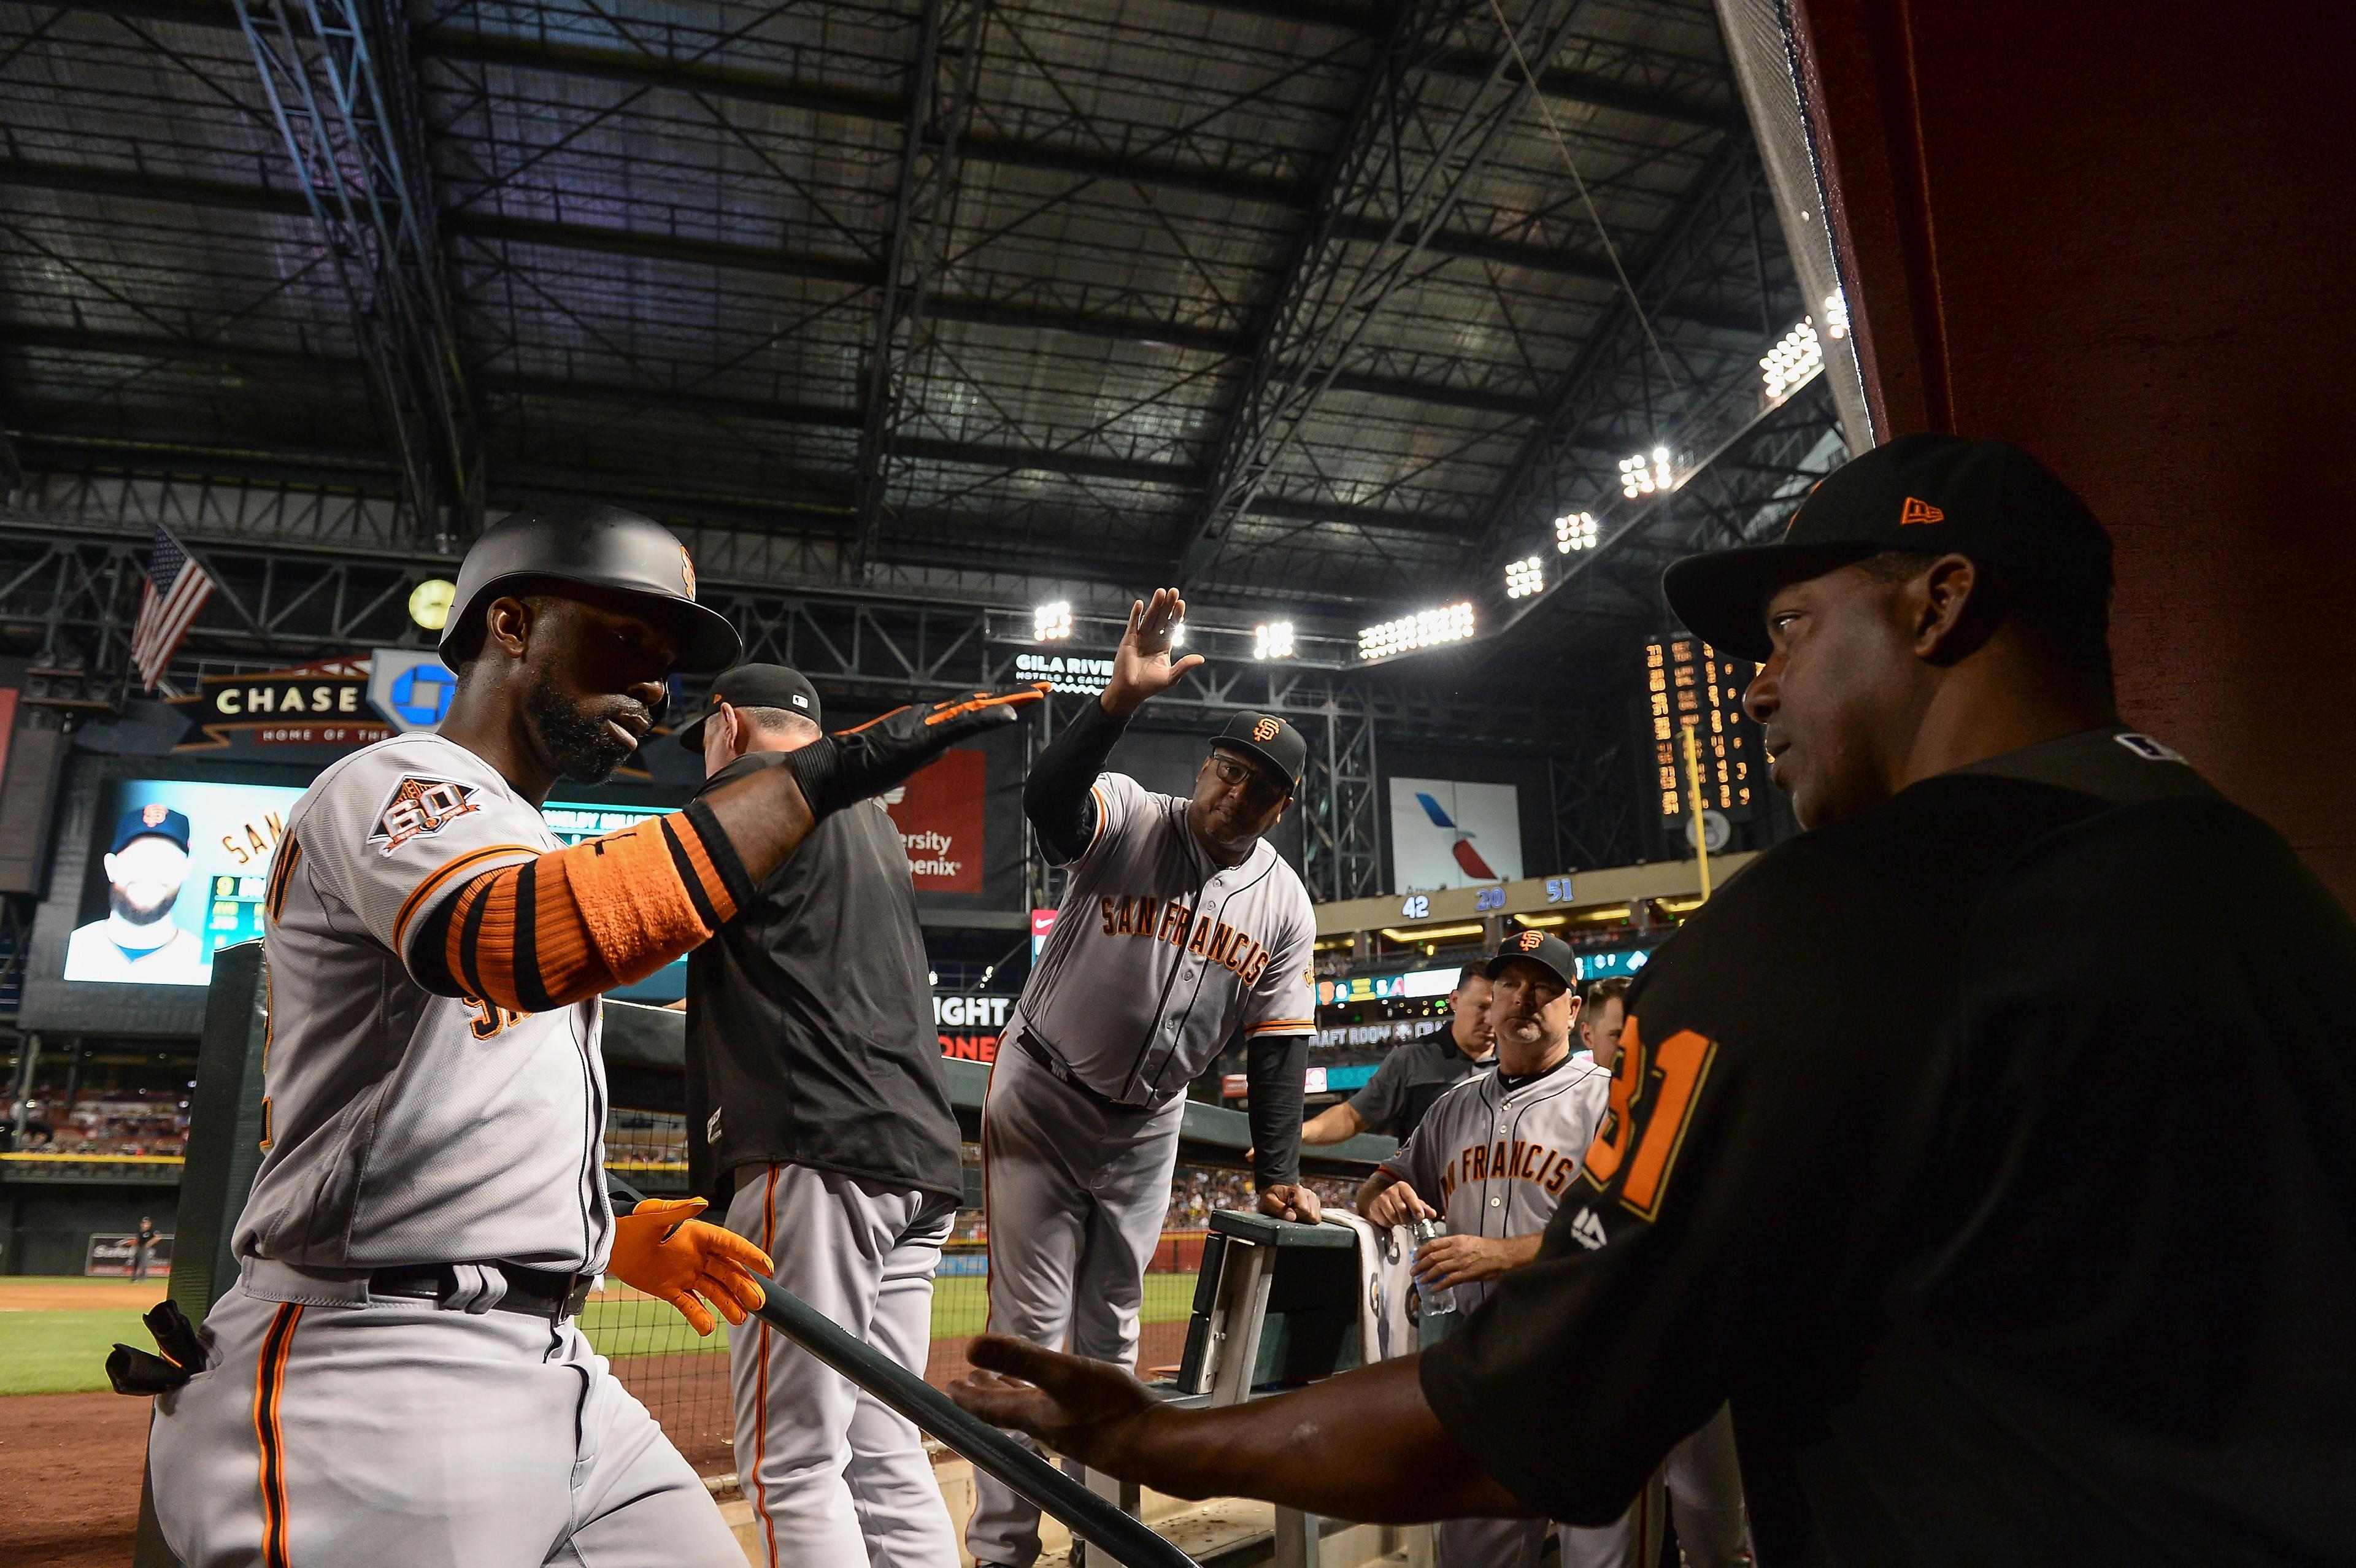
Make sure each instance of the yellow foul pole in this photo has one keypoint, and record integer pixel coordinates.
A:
(1693, 789)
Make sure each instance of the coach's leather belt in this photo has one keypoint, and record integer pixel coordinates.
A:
(1061, 1072)
(535, 1292)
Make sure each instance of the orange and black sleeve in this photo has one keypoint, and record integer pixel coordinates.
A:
(577, 921)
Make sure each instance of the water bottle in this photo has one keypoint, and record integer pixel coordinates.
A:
(1435, 1314)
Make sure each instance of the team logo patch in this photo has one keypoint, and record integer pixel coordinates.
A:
(152, 814)
(1587, 1230)
(2143, 746)
(419, 808)
(687, 571)
(1265, 730)
(1916, 511)
(712, 1127)
(1528, 941)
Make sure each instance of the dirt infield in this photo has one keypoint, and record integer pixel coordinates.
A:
(70, 1463)
(46, 1294)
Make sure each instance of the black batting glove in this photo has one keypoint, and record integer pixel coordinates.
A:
(853, 764)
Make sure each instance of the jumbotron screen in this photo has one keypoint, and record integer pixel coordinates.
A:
(1689, 684)
(181, 868)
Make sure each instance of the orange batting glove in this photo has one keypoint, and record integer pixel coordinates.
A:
(664, 1250)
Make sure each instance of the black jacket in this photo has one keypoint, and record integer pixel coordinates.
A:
(810, 1026)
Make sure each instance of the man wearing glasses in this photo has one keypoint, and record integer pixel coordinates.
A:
(1180, 926)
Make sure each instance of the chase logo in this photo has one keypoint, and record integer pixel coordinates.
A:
(410, 686)
(1265, 730)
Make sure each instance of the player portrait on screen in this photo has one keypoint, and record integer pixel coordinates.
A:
(139, 941)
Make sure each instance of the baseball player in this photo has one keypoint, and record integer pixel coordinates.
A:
(1414, 1075)
(1180, 926)
(1493, 1157)
(1701, 1474)
(817, 1110)
(397, 1378)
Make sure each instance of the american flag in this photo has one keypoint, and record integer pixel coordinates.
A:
(175, 588)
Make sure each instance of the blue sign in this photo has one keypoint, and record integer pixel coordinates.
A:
(412, 687)
(1596, 966)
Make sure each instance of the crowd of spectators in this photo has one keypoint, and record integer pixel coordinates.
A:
(115, 1123)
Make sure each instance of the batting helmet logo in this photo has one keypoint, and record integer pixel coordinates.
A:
(1528, 941)
(687, 571)
(1265, 730)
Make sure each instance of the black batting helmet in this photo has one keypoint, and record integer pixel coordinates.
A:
(595, 546)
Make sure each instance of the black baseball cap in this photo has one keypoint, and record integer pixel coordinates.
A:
(753, 685)
(1989, 500)
(1267, 740)
(1551, 954)
(152, 820)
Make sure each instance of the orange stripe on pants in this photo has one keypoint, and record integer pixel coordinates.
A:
(761, 1390)
(269, 1383)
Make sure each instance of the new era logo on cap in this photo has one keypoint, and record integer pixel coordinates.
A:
(1917, 511)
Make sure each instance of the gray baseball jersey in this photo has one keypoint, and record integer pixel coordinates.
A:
(402, 1126)
(1158, 953)
(1495, 1161)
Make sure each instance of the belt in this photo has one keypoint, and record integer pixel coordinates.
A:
(535, 1292)
(1059, 1071)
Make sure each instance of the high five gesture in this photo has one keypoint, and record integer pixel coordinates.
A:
(1143, 668)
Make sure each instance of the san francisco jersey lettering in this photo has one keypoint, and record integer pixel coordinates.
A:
(1495, 1162)
(1159, 953)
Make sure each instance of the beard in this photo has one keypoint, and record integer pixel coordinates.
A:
(574, 733)
(137, 913)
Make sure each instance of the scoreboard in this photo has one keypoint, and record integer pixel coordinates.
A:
(1690, 685)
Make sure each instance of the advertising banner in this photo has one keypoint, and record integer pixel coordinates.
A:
(117, 1257)
(1449, 835)
(970, 1025)
(322, 704)
(938, 813)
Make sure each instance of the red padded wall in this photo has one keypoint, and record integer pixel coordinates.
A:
(2125, 236)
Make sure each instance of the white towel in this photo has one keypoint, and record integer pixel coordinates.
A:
(1385, 1283)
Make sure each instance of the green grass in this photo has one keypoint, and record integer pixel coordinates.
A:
(960, 1307)
(63, 1352)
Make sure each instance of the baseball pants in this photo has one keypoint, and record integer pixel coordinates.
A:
(1705, 1486)
(1633, 1542)
(376, 1432)
(834, 1477)
(1074, 1195)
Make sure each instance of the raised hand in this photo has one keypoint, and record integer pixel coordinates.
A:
(1142, 668)
(836, 770)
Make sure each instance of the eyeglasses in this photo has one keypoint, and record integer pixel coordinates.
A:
(1259, 788)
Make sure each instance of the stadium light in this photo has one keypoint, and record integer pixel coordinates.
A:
(1574, 530)
(1052, 623)
(1423, 630)
(1524, 578)
(1273, 641)
(1644, 474)
(1178, 636)
(1837, 314)
(1793, 362)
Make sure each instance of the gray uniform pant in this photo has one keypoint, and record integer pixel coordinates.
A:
(1074, 1196)
(1705, 1485)
(834, 1477)
(1633, 1542)
(367, 1431)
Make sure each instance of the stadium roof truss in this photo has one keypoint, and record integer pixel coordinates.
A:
(1324, 309)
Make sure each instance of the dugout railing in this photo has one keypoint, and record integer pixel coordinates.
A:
(683, 1380)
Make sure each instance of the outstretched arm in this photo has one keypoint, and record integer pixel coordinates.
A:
(1362, 1445)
